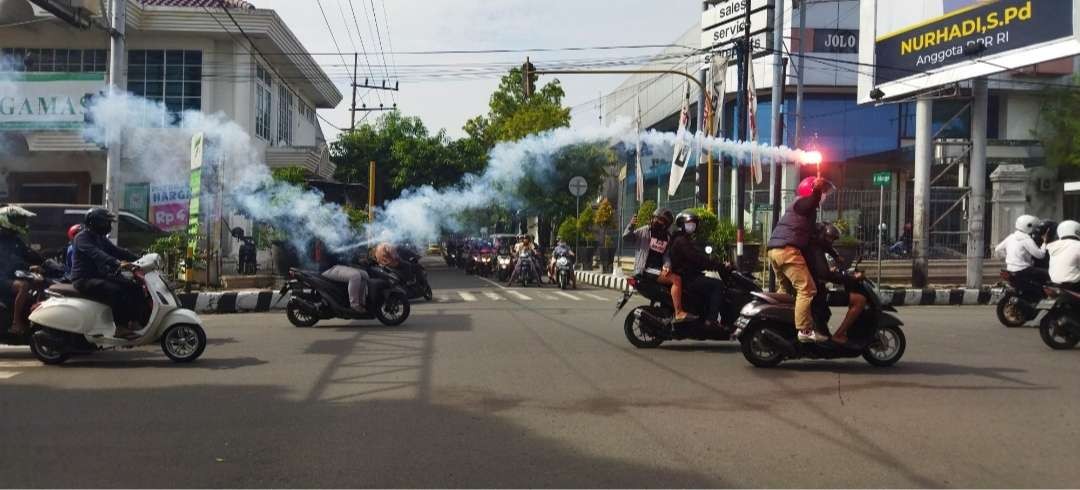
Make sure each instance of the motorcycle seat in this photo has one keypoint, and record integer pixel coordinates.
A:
(68, 291)
(776, 298)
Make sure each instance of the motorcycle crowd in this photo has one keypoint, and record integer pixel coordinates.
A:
(513, 259)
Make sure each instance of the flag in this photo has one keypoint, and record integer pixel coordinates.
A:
(682, 146)
(718, 87)
(639, 189)
(755, 156)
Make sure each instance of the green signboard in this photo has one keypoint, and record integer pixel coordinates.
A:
(882, 179)
(136, 199)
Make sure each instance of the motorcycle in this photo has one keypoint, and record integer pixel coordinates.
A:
(247, 256)
(316, 298)
(564, 271)
(482, 262)
(503, 262)
(413, 276)
(527, 270)
(69, 323)
(767, 334)
(649, 326)
(7, 314)
(1059, 318)
(1018, 305)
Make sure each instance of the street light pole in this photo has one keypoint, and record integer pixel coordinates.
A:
(117, 55)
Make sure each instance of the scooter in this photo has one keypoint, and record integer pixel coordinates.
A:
(315, 298)
(767, 334)
(68, 323)
(1017, 306)
(1059, 318)
(564, 272)
(503, 262)
(413, 277)
(527, 272)
(649, 326)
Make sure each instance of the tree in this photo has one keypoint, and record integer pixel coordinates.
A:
(290, 175)
(1060, 134)
(568, 230)
(604, 219)
(512, 116)
(545, 192)
(585, 223)
(645, 212)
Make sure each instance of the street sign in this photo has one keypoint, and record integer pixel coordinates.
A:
(882, 179)
(578, 186)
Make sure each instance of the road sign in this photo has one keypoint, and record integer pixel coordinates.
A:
(882, 179)
(578, 186)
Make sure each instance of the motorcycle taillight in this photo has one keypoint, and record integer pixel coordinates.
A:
(1051, 293)
(1005, 276)
(632, 282)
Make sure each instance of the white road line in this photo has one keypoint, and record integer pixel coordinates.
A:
(567, 295)
(442, 299)
(595, 296)
(489, 281)
(492, 296)
(14, 348)
(467, 296)
(19, 364)
(518, 295)
(549, 297)
(8, 374)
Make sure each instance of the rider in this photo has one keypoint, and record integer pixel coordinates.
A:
(15, 255)
(1021, 252)
(818, 253)
(1065, 256)
(791, 235)
(562, 250)
(525, 245)
(69, 256)
(690, 262)
(336, 268)
(652, 261)
(94, 273)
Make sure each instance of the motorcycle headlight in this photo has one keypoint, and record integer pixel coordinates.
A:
(504, 261)
(751, 309)
(563, 261)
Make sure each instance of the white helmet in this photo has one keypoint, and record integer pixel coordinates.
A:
(1068, 228)
(1027, 223)
(14, 218)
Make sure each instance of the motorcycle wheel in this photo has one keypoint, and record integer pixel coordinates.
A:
(43, 352)
(888, 349)
(394, 311)
(184, 342)
(300, 318)
(1054, 336)
(757, 350)
(428, 293)
(637, 335)
(1010, 311)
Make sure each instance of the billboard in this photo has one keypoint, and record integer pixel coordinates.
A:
(725, 22)
(169, 205)
(47, 101)
(916, 45)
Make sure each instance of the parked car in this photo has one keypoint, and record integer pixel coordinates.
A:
(48, 231)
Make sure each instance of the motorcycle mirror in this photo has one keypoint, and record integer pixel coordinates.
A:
(709, 250)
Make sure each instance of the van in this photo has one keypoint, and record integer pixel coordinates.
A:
(48, 230)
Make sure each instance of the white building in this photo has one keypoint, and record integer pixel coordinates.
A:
(185, 53)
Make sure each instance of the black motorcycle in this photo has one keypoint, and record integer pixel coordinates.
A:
(503, 263)
(1059, 318)
(412, 276)
(766, 331)
(1017, 306)
(649, 326)
(527, 271)
(315, 298)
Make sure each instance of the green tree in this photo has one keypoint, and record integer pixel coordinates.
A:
(512, 116)
(568, 230)
(604, 220)
(645, 212)
(1060, 131)
(585, 224)
(546, 192)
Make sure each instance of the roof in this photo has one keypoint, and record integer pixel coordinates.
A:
(237, 4)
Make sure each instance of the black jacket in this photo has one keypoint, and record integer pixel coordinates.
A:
(797, 224)
(96, 257)
(688, 259)
(15, 255)
(816, 254)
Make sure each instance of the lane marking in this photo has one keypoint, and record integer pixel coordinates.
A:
(442, 299)
(489, 281)
(8, 374)
(548, 297)
(567, 295)
(19, 364)
(518, 295)
(15, 348)
(467, 296)
(493, 296)
(595, 296)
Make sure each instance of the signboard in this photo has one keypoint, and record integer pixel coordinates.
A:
(727, 33)
(578, 186)
(195, 185)
(135, 199)
(836, 41)
(47, 101)
(169, 206)
(760, 44)
(729, 10)
(917, 45)
(882, 179)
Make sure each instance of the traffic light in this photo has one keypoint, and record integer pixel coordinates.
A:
(701, 182)
(528, 78)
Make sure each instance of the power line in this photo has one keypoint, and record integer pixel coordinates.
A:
(367, 60)
(382, 49)
(328, 29)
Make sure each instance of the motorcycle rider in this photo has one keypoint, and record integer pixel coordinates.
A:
(690, 262)
(69, 255)
(94, 273)
(525, 245)
(562, 250)
(1021, 252)
(1065, 256)
(337, 268)
(818, 253)
(16, 255)
(790, 236)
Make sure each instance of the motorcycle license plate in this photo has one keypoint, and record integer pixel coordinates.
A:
(742, 322)
(1046, 304)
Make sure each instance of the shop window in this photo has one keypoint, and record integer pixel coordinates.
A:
(173, 77)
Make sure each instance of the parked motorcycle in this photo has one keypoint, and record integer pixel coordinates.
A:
(766, 331)
(1018, 305)
(652, 325)
(69, 323)
(316, 298)
(1059, 318)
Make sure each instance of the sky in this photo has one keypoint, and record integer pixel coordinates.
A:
(442, 25)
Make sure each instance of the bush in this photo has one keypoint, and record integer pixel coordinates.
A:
(645, 212)
(585, 224)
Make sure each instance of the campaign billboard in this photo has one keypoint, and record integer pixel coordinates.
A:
(916, 45)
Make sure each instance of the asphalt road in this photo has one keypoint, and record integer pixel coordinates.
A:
(530, 388)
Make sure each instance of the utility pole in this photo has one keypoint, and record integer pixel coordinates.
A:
(779, 80)
(363, 107)
(117, 58)
(371, 191)
(352, 112)
(743, 50)
(977, 181)
(791, 171)
(924, 148)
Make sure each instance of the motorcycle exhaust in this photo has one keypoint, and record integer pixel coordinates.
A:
(305, 305)
(653, 320)
(779, 342)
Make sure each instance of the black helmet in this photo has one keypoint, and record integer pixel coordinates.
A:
(684, 217)
(664, 213)
(99, 220)
(828, 231)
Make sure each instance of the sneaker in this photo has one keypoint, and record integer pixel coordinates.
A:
(813, 336)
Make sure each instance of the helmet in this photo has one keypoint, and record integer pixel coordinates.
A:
(664, 213)
(1068, 228)
(828, 231)
(1027, 223)
(14, 218)
(74, 230)
(685, 217)
(807, 186)
(99, 220)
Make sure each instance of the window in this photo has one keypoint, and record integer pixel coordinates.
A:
(263, 99)
(170, 76)
(55, 60)
(285, 106)
(307, 112)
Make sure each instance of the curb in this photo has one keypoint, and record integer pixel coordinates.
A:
(233, 301)
(889, 296)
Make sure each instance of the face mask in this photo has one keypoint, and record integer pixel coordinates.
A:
(690, 227)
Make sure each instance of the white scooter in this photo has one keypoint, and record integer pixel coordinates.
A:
(68, 323)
